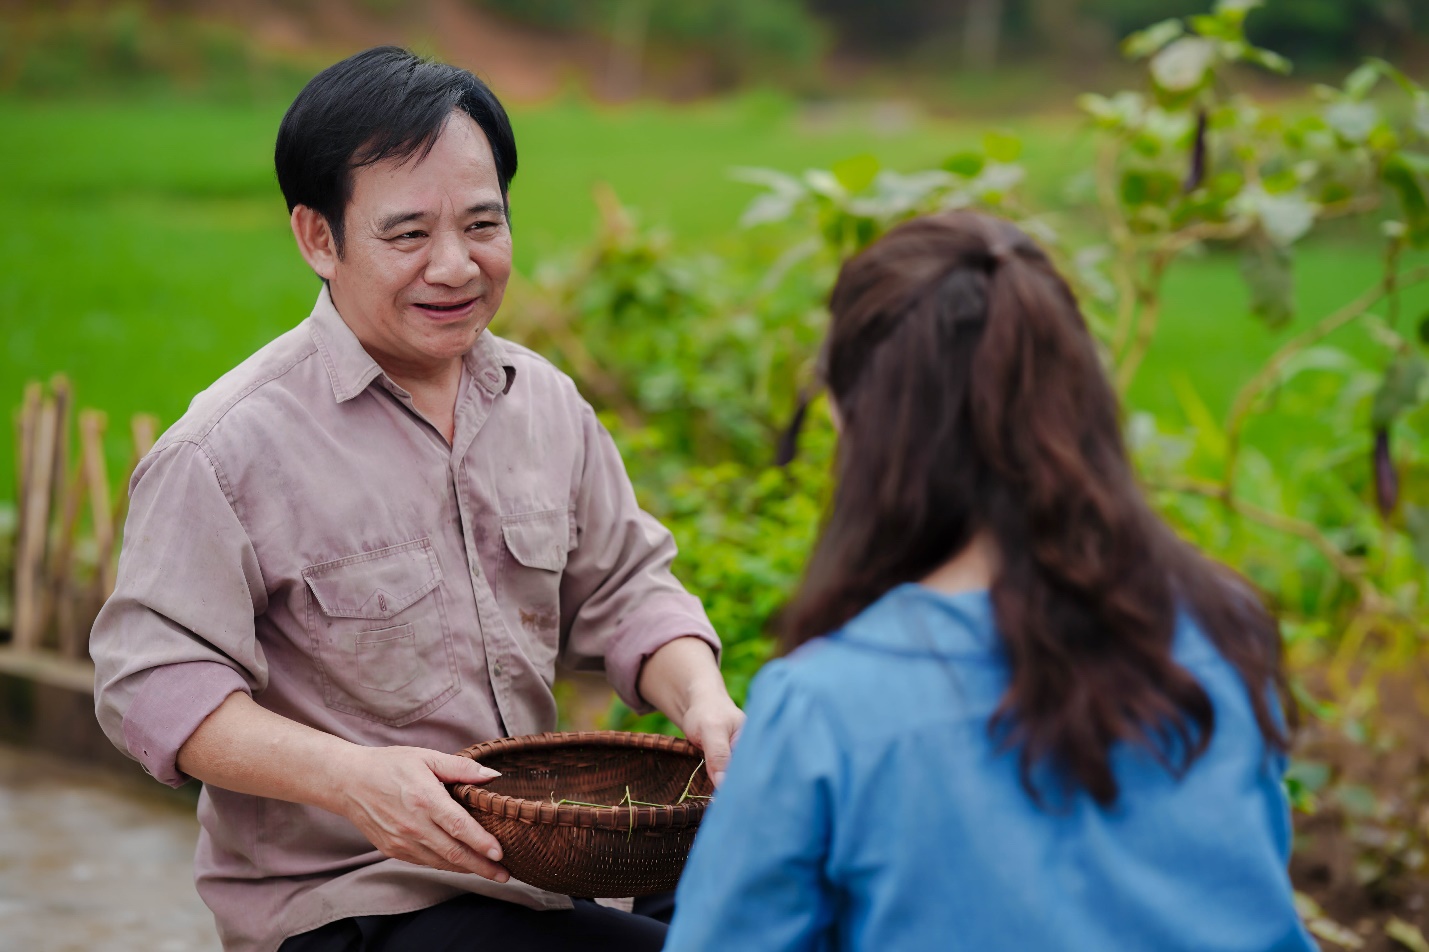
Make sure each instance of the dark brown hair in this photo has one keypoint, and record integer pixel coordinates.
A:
(973, 400)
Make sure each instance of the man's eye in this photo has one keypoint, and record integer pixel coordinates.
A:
(481, 225)
(412, 234)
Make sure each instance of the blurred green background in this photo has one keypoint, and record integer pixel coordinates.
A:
(148, 249)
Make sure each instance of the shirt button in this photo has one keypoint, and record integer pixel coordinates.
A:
(496, 669)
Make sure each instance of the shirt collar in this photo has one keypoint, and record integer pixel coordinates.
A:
(351, 369)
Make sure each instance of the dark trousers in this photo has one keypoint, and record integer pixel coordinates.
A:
(472, 922)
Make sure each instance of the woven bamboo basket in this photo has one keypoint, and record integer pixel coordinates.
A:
(590, 851)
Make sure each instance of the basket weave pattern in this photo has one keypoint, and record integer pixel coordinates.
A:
(590, 851)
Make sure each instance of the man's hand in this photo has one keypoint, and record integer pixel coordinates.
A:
(394, 795)
(713, 725)
(683, 680)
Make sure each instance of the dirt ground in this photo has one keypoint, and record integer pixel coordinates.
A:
(90, 862)
(1364, 854)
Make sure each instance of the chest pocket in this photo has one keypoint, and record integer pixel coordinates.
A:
(380, 633)
(534, 559)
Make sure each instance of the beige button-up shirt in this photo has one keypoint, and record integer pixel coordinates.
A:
(302, 534)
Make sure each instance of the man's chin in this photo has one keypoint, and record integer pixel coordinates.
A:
(445, 343)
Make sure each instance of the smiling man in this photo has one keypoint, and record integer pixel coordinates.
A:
(371, 543)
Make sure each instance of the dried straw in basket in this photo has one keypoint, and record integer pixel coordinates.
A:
(591, 851)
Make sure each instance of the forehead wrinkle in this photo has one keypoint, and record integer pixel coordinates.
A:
(387, 222)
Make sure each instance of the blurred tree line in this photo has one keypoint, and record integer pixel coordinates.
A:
(977, 34)
(48, 47)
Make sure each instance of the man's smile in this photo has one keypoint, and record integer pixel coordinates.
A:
(448, 310)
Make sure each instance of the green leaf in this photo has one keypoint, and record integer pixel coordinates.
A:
(1303, 780)
(1354, 121)
(1285, 217)
(1403, 389)
(1184, 65)
(857, 172)
(1332, 931)
(1216, 27)
(1152, 39)
(1360, 82)
(1424, 330)
(1358, 800)
(1122, 110)
(1148, 187)
(1416, 523)
(1278, 183)
(767, 208)
(769, 178)
(1406, 935)
(1210, 438)
(966, 164)
(1238, 6)
(825, 183)
(1002, 146)
(1268, 59)
(1267, 271)
(1405, 172)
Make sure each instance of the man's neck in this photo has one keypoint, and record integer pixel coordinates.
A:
(433, 384)
(434, 394)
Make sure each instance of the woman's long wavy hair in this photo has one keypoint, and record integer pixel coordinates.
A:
(973, 400)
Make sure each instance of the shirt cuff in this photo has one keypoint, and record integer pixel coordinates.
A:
(645, 632)
(171, 704)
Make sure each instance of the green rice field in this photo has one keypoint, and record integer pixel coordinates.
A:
(147, 249)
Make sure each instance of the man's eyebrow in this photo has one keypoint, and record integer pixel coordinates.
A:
(487, 208)
(401, 218)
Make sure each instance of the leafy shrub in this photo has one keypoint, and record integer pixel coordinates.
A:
(698, 363)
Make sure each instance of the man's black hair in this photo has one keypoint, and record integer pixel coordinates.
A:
(382, 103)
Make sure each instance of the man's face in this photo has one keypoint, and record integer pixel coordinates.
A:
(427, 252)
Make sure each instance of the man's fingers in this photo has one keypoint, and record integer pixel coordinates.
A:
(717, 756)
(453, 857)
(718, 741)
(456, 855)
(463, 829)
(449, 768)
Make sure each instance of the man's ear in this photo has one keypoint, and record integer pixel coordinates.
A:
(315, 241)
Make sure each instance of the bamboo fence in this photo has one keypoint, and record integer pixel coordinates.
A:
(67, 520)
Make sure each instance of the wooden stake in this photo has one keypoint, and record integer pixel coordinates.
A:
(91, 437)
(145, 430)
(64, 402)
(63, 582)
(30, 553)
(47, 583)
(29, 416)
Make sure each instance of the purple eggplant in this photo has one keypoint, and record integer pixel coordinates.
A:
(1386, 478)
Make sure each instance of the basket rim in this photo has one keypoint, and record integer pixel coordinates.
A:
(544, 813)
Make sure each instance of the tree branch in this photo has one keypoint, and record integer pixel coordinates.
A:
(1249, 394)
(1351, 569)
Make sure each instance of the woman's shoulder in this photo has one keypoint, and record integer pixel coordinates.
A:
(913, 621)
(910, 633)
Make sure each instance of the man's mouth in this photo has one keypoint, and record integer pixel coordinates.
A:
(445, 309)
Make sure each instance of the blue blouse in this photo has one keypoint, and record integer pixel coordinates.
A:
(866, 808)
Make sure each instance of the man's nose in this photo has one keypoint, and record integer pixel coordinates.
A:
(450, 263)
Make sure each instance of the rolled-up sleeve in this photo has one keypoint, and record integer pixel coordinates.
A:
(177, 636)
(620, 601)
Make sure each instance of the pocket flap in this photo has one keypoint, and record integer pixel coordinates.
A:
(375, 584)
(538, 540)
